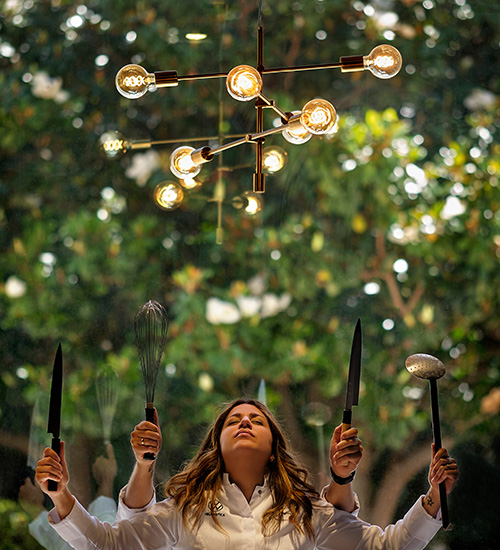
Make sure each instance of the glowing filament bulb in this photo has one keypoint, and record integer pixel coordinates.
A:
(294, 132)
(133, 81)
(181, 163)
(113, 144)
(168, 195)
(318, 116)
(249, 202)
(383, 61)
(253, 206)
(273, 159)
(244, 83)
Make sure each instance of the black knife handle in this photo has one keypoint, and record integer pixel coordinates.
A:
(346, 420)
(150, 417)
(56, 446)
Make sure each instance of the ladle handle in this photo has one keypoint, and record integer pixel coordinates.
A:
(436, 429)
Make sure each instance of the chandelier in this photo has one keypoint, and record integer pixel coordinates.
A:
(243, 83)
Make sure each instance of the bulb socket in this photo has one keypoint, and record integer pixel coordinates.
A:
(202, 155)
(259, 183)
(352, 63)
(164, 79)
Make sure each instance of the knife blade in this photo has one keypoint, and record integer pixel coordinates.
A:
(54, 426)
(352, 393)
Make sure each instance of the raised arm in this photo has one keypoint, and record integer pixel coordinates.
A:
(53, 467)
(146, 438)
(345, 453)
(442, 468)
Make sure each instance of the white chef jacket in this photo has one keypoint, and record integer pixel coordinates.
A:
(161, 528)
(102, 507)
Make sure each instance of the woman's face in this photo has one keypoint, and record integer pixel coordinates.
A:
(246, 431)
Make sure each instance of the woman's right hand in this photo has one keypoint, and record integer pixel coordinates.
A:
(52, 467)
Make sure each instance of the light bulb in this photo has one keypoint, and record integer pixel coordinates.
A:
(318, 116)
(249, 202)
(294, 132)
(254, 203)
(168, 195)
(244, 83)
(113, 144)
(383, 61)
(181, 163)
(273, 159)
(133, 81)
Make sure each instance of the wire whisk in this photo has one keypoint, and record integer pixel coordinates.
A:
(107, 386)
(151, 327)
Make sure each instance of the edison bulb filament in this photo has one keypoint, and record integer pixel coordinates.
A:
(273, 159)
(244, 83)
(318, 116)
(133, 81)
(168, 195)
(114, 144)
(384, 61)
(181, 163)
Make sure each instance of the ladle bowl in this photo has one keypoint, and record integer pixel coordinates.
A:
(425, 366)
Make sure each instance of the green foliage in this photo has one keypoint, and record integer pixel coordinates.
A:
(411, 176)
(14, 527)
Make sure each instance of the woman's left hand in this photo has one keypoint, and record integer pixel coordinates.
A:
(442, 468)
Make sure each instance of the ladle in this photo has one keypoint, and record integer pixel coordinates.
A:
(430, 368)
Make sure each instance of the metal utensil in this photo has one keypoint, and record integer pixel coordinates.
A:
(428, 367)
(54, 425)
(151, 327)
(352, 393)
(354, 378)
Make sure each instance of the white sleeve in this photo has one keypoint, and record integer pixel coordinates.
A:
(124, 512)
(355, 512)
(345, 532)
(157, 528)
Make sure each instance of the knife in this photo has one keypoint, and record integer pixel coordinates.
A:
(55, 408)
(352, 393)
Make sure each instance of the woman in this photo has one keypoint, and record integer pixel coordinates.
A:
(243, 489)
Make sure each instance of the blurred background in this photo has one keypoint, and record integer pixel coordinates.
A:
(393, 219)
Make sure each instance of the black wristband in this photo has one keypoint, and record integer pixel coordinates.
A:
(342, 480)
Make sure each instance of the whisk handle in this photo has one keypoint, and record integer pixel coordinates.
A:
(150, 417)
(150, 414)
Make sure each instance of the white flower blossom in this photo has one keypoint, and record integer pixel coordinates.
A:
(14, 287)
(452, 207)
(143, 165)
(385, 20)
(272, 304)
(48, 88)
(480, 99)
(257, 285)
(220, 312)
(249, 305)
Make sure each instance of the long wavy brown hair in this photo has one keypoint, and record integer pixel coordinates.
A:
(195, 488)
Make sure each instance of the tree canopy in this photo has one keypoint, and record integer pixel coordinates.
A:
(394, 219)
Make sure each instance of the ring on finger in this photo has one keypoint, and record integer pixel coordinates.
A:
(142, 441)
